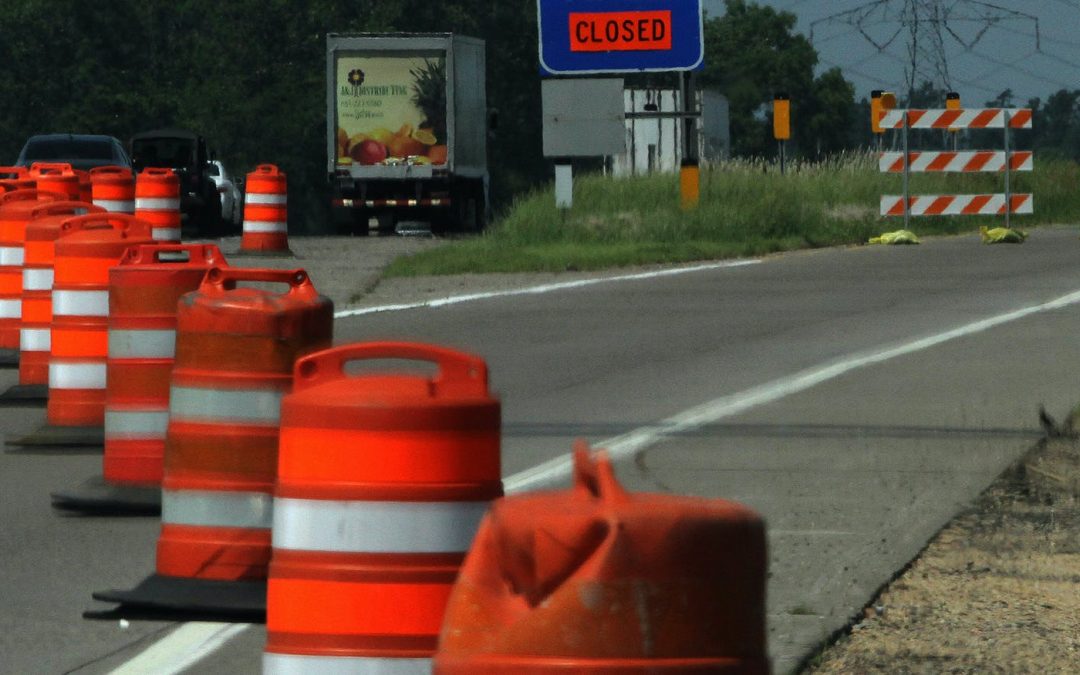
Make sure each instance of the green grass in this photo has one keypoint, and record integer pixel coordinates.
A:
(747, 208)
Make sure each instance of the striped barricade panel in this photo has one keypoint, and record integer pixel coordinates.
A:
(956, 162)
(969, 118)
(957, 205)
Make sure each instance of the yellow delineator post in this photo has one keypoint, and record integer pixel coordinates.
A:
(781, 123)
(689, 183)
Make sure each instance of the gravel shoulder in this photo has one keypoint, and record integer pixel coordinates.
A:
(996, 591)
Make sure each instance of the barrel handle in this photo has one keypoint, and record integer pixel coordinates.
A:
(52, 168)
(460, 374)
(156, 171)
(71, 207)
(268, 169)
(221, 279)
(107, 220)
(201, 255)
(110, 170)
(594, 476)
(17, 171)
(29, 195)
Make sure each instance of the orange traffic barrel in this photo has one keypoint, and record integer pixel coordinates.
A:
(87, 248)
(42, 230)
(599, 580)
(157, 200)
(235, 352)
(144, 291)
(113, 188)
(15, 212)
(266, 212)
(56, 177)
(383, 478)
(86, 191)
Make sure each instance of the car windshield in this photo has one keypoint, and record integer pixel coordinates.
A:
(48, 150)
(163, 152)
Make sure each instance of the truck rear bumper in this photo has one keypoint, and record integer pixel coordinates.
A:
(389, 203)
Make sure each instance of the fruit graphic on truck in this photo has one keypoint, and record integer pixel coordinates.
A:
(407, 130)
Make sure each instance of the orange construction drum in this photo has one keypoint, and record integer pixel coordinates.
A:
(235, 352)
(383, 478)
(157, 200)
(597, 580)
(113, 188)
(266, 212)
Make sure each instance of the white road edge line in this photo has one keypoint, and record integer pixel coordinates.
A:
(194, 641)
(628, 444)
(538, 290)
(182, 648)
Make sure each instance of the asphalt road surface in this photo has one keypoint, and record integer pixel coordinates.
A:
(857, 398)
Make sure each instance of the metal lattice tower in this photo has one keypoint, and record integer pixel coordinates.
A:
(927, 26)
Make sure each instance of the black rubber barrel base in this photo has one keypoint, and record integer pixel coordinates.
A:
(25, 395)
(185, 599)
(65, 437)
(96, 497)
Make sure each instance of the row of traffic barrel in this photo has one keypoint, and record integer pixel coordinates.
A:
(355, 507)
(154, 194)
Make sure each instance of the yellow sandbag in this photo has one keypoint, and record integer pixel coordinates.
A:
(1002, 235)
(894, 238)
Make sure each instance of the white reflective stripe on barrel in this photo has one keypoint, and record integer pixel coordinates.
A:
(142, 344)
(35, 339)
(263, 198)
(376, 527)
(76, 375)
(116, 205)
(157, 204)
(135, 424)
(12, 256)
(294, 664)
(37, 279)
(265, 226)
(225, 405)
(80, 303)
(216, 509)
(165, 233)
(10, 309)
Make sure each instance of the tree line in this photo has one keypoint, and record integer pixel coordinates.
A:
(250, 76)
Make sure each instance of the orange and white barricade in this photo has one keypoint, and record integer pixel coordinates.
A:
(144, 291)
(113, 188)
(383, 479)
(88, 247)
(35, 307)
(235, 351)
(157, 201)
(56, 177)
(266, 213)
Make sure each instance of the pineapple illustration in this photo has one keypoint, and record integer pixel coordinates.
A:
(429, 95)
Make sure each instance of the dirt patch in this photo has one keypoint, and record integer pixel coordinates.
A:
(996, 591)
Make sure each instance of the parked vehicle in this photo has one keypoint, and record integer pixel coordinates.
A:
(81, 151)
(407, 134)
(232, 205)
(186, 153)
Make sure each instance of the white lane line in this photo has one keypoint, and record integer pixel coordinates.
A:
(181, 649)
(633, 442)
(193, 642)
(538, 290)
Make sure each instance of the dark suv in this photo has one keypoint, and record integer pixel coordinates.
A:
(81, 151)
(185, 152)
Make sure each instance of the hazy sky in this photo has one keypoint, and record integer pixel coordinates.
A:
(1004, 57)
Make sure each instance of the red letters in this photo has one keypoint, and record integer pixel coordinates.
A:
(620, 31)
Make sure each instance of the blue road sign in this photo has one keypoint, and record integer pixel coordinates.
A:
(620, 36)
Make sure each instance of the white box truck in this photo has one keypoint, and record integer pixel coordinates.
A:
(406, 131)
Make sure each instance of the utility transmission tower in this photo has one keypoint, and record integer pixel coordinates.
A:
(927, 26)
